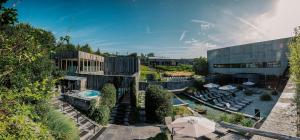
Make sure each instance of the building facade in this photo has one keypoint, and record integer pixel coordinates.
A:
(262, 58)
(155, 61)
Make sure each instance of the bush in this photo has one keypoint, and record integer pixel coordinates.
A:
(158, 103)
(266, 97)
(180, 110)
(236, 118)
(108, 95)
(61, 127)
(226, 118)
(101, 114)
(159, 136)
(247, 123)
(248, 92)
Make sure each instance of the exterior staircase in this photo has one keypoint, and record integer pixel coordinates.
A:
(88, 129)
(120, 113)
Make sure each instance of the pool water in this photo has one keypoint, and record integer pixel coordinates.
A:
(89, 93)
(177, 102)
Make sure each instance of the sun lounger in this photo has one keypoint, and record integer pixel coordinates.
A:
(202, 98)
(206, 97)
(217, 103)
(228, 106)
(232, 102)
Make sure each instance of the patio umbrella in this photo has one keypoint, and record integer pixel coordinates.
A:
(192, 126)
(227, 87)
(211, 85)
(248, 83)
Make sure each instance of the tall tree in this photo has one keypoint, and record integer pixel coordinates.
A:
(200, 66)
(8, 16)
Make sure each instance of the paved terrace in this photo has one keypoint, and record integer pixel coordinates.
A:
(283, 116)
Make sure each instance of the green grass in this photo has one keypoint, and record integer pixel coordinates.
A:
(182, 67)
(145, 70)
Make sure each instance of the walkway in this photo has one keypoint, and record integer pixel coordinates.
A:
(283, 116)
(88, 129)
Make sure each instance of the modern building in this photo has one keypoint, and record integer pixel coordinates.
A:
(95, 70)
(269, 58)
(155, 61)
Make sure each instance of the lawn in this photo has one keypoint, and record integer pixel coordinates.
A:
(145, 70)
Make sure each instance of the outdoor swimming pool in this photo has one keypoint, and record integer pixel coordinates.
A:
(89, 93)
(178, 102)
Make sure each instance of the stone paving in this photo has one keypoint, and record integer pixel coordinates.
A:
(121, 132)
(283, 116)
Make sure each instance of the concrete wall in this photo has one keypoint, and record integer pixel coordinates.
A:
(166, 85)
(267, 51)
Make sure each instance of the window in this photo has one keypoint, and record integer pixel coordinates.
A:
(249, 65)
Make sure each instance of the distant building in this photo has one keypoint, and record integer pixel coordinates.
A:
(155, 61)
(267, 58)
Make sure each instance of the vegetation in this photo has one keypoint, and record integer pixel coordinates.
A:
(146, 71)
(236, 119)
(109, 95)
(200, 66)
(27, 78)
(158, 103)
(266, 97)
(62, 128)
(99, 112)
(180, 110)
(294, 60)
(181, 67)
(178, 74)
(190, 90)
(199, 81)
(159, 136)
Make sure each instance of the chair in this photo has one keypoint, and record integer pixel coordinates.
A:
(218, 104)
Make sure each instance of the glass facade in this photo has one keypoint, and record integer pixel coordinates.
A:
(275, 64)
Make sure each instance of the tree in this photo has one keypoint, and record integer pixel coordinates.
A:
(98, 52)
(150, 55)
(294, 59)
(8, 16)
(108, 95)
(158, 103)
(86, 48)
(200, 66)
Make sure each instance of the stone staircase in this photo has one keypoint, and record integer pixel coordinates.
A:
(88, 129)
(120, 113)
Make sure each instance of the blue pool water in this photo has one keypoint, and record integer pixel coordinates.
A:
(89, 93)
(177, 102)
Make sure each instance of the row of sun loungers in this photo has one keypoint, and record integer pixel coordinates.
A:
(222, 100)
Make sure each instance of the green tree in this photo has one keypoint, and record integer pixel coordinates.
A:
(8, 16)
(294, 59)
(86, 48)
(108, 95)
(200, 66)
(158, 103)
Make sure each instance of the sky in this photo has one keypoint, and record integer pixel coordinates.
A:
(168, 28)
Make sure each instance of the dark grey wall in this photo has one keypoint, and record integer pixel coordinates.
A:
(121, 65)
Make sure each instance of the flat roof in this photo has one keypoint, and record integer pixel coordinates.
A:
(74, 78)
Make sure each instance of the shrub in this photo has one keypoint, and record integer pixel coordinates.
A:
(248, 92)
(226, 118)
(108, 95)
(236, 118)
(159, 136)
(265, 97)
(158, 103)
(247, 123)
(61, 127)
(101, 114)
(180, 110)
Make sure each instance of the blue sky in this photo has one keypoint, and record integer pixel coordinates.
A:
(171, 28)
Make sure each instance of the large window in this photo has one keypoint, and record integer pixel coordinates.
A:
(275, 64)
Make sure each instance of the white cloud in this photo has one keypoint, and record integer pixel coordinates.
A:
(203, 24)
(182, 35)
